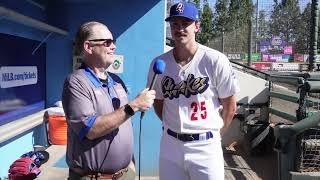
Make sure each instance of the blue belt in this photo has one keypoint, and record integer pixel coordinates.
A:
(189, 137)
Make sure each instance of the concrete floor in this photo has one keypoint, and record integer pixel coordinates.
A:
(50, 170)
(238, 165)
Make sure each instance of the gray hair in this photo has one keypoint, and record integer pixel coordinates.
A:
(84, 32)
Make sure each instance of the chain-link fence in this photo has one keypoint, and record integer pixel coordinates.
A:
(279, 34)
(275, 32)
(308, 143)
(308, 151)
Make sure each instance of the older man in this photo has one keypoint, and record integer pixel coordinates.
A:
(100, 135)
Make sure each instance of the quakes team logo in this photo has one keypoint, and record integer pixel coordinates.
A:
(116, 64)
(180, 8)
(191, 86)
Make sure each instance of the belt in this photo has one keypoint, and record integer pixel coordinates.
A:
(190, 137)
(93, 174)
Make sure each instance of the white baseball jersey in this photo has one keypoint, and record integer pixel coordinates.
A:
(191, 92)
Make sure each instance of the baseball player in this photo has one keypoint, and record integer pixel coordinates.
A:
(196, 82)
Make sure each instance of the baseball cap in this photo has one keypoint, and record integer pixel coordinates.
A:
(184, 9)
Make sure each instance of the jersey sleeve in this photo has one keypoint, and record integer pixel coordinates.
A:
(226, 81)
(157, 85)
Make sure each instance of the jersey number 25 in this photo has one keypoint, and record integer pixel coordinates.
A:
(203, 110)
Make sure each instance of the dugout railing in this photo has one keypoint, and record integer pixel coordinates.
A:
(297, 134)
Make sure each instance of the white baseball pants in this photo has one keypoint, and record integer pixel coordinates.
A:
(195, 160)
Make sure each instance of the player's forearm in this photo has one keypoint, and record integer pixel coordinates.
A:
(229, 109)
(158, 107)
(158, 113)
(227, 117)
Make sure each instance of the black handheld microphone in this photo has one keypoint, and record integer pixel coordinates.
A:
(158, 68)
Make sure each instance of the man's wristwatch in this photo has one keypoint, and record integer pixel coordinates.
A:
(128, 109)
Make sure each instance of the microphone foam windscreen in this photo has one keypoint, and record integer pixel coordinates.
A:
(159, 66)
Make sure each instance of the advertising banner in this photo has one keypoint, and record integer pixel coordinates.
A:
(287, 50)
(275, 57)
(22, 77)
(275, 46)
(301, 57)
(235, 56)
(317, 59)
(261, 66)
(285, 66)
(15, 76)
(254, 57)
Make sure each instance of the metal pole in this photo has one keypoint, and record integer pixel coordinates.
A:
(257, 34)
(222, 42)
(301, 112)
(313, 34)
(249, 42)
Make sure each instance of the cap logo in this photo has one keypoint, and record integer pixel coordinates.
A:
(180, 8)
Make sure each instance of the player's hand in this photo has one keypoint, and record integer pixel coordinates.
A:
(144, 100)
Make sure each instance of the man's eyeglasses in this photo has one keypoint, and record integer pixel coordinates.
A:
(106, 43)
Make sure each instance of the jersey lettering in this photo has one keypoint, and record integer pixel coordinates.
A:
(191, 86)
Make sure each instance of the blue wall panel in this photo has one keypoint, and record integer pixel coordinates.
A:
(59, 64)
(139, 28)
(139, 44)
(15, 147)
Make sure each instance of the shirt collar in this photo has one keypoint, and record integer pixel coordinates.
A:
(95, 80)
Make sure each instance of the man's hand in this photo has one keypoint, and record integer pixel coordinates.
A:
(143, 101)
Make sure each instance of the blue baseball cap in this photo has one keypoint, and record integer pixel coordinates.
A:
(184, 9)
